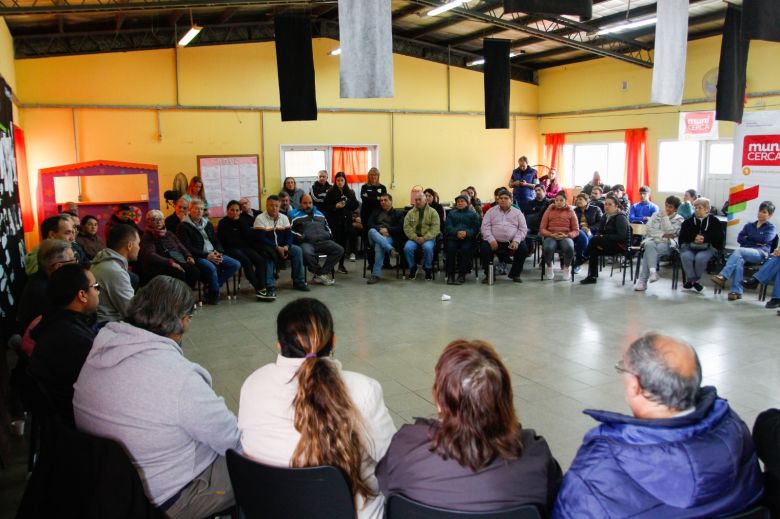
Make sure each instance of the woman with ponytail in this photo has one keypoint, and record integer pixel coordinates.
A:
(304, 410)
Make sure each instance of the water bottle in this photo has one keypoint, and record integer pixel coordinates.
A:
(491, 274)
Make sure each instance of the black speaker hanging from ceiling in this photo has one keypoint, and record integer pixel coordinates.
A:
(295, 67)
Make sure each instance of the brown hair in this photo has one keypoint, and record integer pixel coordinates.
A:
(331, 428)
(477, 421)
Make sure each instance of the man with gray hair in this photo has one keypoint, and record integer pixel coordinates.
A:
(51, 255)
(682, 453)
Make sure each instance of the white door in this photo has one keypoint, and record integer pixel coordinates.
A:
(717, 172)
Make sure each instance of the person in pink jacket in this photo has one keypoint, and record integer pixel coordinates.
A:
(559, 227)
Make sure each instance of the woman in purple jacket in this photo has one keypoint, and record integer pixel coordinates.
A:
(754, 247)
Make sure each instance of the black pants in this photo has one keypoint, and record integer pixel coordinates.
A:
(253, 264)
(600, 246)
(503, 252)
(190, 275)
(459, 250)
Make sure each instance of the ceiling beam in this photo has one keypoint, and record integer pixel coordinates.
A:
(226, 15)
(449, 21)
(13, 8)
(405, 11)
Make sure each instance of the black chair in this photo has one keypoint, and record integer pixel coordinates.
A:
(264, 492)
(759, 512)
(751, 268)
(401, 507)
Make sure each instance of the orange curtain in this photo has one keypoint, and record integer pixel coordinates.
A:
(553, 153)
(20, 150)
(352, 161)
(637, 172)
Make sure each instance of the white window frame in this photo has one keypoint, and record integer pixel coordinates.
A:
(571, 165)
(373, 154)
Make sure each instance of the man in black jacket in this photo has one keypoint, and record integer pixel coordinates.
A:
(319, 189)
(64, 336)
(385, 228)
(311, 228)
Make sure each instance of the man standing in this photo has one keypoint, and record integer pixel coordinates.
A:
(644, 209)
(682, 453)
(312, 229)
(522, 182)
(503, 233)
(64, 336)
(319, 188)
(110, 270)
(275, 242)
(248, 214)
(421, 226)
(385, 228)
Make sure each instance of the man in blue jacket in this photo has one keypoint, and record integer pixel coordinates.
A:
(683, 453)
(644, 209)
(522, 183)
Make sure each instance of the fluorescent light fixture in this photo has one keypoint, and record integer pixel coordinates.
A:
(627, 26)
(446, 7)
(481, 61)
(187, 38)
(335, 52)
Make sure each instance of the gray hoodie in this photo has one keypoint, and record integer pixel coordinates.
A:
(110, 270)
(136, 387)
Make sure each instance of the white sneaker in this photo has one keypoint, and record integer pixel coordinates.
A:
(352, 257)
(654, 277)
(641, 285)
(549, 273)
(322, 279)
(566, 273)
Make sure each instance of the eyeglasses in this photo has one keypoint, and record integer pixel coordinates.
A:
(620, 367)
(96, 286)
(191, 312)
(65, 262)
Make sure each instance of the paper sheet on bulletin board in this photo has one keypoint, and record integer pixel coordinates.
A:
(229, 177)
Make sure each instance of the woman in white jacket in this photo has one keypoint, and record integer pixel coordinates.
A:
(663, 228)
(304, 411)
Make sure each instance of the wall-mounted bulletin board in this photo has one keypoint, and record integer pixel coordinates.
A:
(229, 177)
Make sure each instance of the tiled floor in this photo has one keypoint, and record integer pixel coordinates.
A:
(559, 340)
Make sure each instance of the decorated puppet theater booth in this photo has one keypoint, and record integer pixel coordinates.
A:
(95, 188)
(755, 173)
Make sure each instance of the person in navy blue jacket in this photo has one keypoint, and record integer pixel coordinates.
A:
(522, 183)
(683, 453)
(754, 247)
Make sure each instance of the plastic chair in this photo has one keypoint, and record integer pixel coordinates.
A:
(759, 512)
(264, 492)
(401, 507)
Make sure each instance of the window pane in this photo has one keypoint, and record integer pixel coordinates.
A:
(587, 159)
(616, 169)
(678, 166)
(721, 155)
(305, 163)
(568, 165)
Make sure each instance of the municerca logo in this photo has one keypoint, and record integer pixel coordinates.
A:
(761, 150)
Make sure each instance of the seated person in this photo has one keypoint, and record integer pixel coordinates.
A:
(535, 209)
(768, 273)
(766, 437)
(432, 199)
(644, 209)
(686, 208)
(475, 456)
(619, 192)
(274, 240)
(503, 233)
(588, 217)
(64, 336)
(311, 228)
(290, 187)
(663, 228)
(462, 227)
(550, 183)
(59, 227)
(754, 247)
(110, 270)
(162, 254)
(597, 198)
(162, 408)
(236, 236)
(180, 212)
(612, 238)
(248, 213)
(421, 227)
(683, 453)
(197, 234)
(52, 254)
(474, 200)
(701, 236)
(559, 227)
(88, 237)
(385, 232)
(595, 182)
(304, 410)
(285, 204)
(121, 216)
(488, 205)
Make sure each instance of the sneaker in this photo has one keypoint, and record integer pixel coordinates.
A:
(450, 280)
(303, 287)
(393, 254)
(372, 280)
(352, 257)
(773, 303)
(733, 296)
(641, 285)
(566, 273)
(654, 277)
(323, 279)
(266, 294)
(697, 286)
(428, 274)
(577, 269)
(751, 282)
(342, 269)
(413, 272)
(460, 280)
(590, 280)
(549, 273)
(719, 280)
(688, 285)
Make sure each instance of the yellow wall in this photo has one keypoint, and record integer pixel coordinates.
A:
(227, 104)
(7, 55)
(595, 85)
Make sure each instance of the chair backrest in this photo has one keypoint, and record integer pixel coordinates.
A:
(638, 229)
(401, 507)
(759, 512)
(773, 245)
(285, 493)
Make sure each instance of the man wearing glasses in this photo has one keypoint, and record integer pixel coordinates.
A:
(51, 255)
(682, 453)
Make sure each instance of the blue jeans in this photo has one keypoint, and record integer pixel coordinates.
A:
(770, 273)
(382, 245)
(216, 275)
(296, 261)
(427, 248)
(734, 270)
(580, 244)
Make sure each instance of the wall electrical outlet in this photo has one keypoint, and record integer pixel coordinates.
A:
(624, 85)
